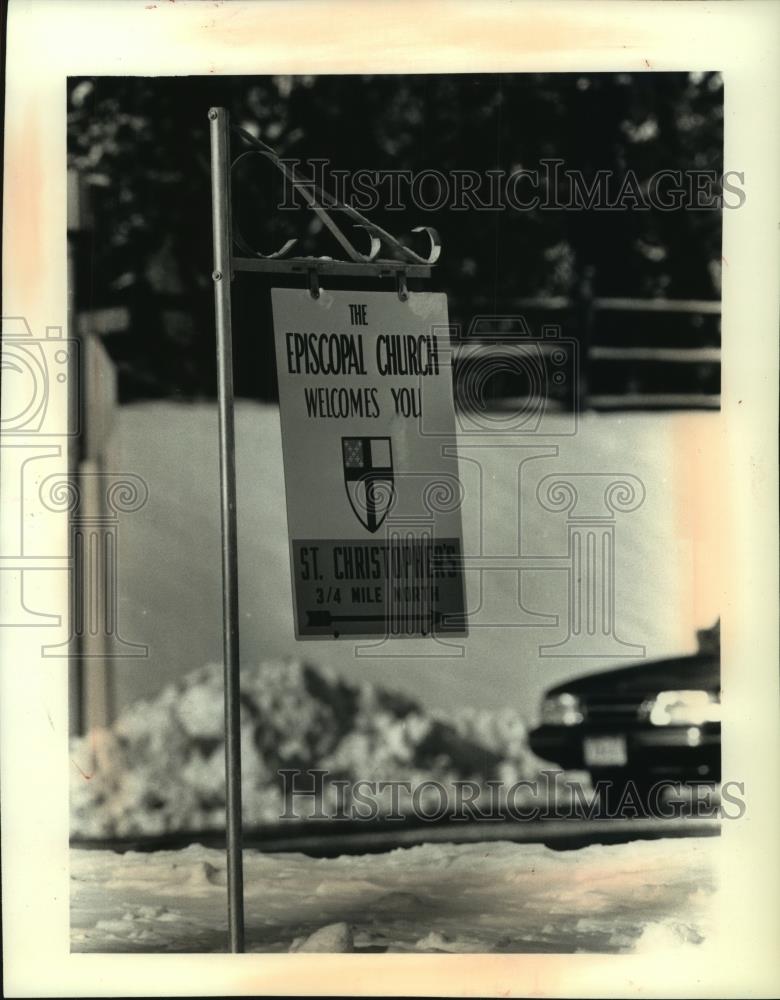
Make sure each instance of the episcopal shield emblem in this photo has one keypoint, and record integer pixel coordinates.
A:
(368, 477)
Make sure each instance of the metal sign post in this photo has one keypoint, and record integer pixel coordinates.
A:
(405, 264)
(220, 205)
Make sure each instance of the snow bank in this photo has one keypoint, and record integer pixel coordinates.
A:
(500, 897)
(160, 767)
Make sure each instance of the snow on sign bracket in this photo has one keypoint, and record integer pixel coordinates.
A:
(370, 467)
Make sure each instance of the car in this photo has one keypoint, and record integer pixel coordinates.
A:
(653, 722)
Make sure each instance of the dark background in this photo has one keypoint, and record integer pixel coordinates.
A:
(141, 146)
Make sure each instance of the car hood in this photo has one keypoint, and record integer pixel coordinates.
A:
(683, 673)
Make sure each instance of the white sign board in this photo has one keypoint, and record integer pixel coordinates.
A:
(371, 472)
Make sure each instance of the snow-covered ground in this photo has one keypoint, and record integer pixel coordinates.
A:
(467, 898)
(498, 897)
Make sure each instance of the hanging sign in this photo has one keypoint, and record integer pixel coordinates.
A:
(371, 471)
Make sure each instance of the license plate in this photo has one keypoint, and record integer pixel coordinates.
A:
(605, 751)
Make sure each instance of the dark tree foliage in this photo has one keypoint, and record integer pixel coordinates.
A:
(142, 146)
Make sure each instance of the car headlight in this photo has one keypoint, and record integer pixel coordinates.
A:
(562, 710)
(681, 708)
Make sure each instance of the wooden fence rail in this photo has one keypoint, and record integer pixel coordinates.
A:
(585, 308)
